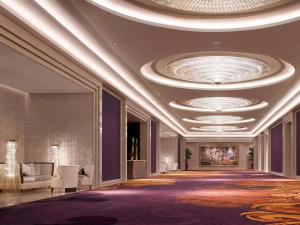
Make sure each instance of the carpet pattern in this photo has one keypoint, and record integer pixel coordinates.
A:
(180, 198)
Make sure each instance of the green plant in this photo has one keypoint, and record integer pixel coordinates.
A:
(188, 153)
(251, 153)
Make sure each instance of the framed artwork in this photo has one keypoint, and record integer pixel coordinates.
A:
(219, 155)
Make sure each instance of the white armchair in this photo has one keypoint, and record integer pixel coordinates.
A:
(87, 180)
(174, 166)
(163, 167)
(67, 177)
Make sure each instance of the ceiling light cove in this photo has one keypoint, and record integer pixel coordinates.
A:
(219, 129)
(217, 70)
(219, 119)
(205, 15)
(219, 104)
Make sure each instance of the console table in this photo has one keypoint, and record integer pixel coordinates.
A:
(136, 169)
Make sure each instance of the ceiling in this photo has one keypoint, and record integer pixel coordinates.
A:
(22, 73)
(137, 44)
(126, 44)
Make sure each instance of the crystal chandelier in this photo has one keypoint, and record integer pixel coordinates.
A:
(214, 6)
(219, 129)
(219, 119)
(217, 69)
(219, 103)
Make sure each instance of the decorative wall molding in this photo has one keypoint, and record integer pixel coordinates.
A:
(288, 118)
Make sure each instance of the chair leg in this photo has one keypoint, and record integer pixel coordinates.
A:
(52, 190)
(90, 187)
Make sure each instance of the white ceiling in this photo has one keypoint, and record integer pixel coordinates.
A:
(137, 44)
(22, 73)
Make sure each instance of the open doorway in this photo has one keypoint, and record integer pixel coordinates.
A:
(47, 121)
(138, 143)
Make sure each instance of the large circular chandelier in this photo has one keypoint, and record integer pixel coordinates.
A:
(219, 129)
(219, 104)
(205, 15)
(213, 6)
(219, 119)
(217, 70)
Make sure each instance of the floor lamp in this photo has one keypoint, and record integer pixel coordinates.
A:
(55, 157)
(10, 174)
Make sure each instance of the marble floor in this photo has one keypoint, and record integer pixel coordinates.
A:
(15, 198)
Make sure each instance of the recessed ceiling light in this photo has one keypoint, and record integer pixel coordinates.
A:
(219, 119)
(217, 70)
(219, 129)
(206, 15)
(219, 104)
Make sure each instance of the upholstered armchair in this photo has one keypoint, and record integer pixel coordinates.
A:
(67, 178)
(87, 179)
(174, 166)
(163, 167)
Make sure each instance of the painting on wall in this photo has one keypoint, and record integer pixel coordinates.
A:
(219, 156)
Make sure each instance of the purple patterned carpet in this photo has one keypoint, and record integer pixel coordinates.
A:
(182, 198)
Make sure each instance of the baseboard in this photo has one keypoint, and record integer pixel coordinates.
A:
(155, 174)
(276, 173)
(110, 182)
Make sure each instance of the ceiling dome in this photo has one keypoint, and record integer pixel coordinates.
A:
(205, 15)
(217, 70)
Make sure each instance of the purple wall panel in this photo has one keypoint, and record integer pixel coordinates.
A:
(153, 146)
(276, 149)
(111, 119)
(298, 144)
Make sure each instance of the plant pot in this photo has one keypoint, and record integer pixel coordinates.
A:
(186, 165)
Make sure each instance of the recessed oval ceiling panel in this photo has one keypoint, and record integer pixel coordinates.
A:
(205, 15)
(217, 70)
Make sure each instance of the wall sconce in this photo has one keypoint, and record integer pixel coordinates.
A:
(10, 173)
(55, 157)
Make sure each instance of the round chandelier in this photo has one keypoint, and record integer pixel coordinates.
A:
(219, 129)
(219, 104)
(205, 15)
(217, 70)
(213, 6)
(219, 119)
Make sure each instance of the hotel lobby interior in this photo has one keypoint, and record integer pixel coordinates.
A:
(149, 112)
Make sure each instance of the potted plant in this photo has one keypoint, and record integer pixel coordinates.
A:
(188, 155)
(251, 156)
